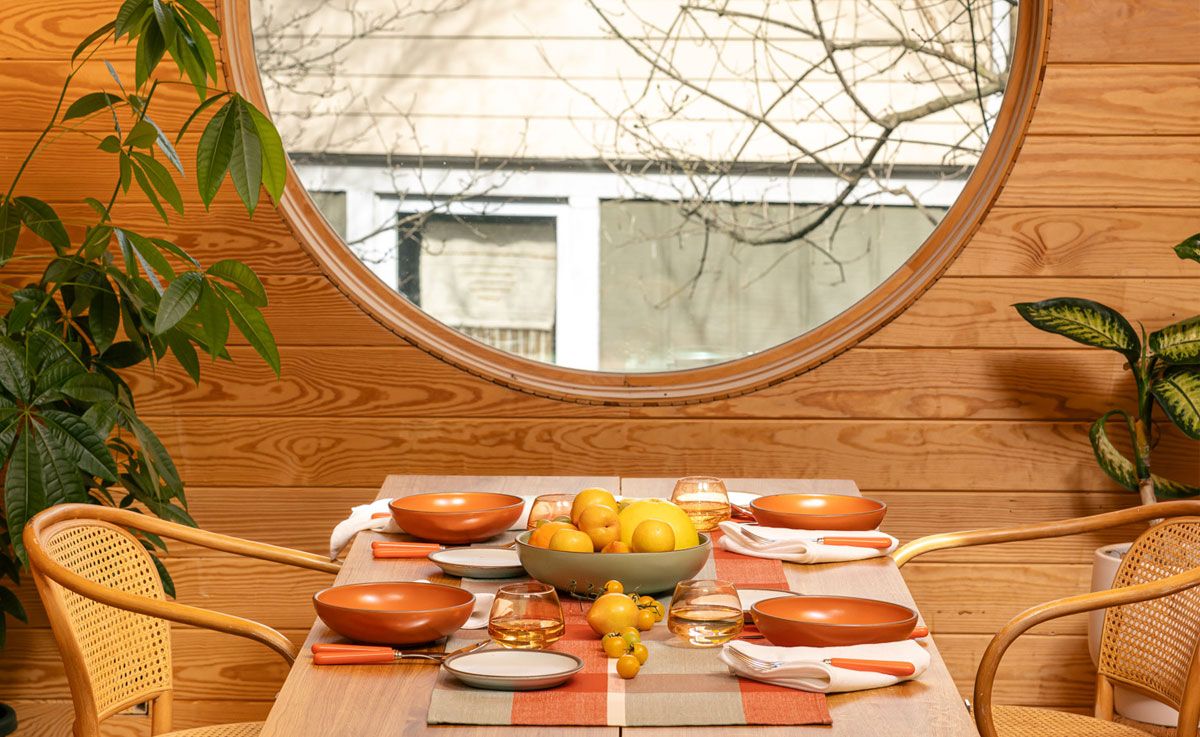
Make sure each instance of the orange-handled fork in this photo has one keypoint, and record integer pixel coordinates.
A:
(330, 653)
(389, 549)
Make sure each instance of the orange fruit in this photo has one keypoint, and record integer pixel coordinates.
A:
(663, 511)
(572, 541)
(611, 613)
(614, 645)
(616, 546)
(628, 666)
(587, 498)
(645, 619)
(653, 536)
(601, 524)
(541, 536)
(640, 652)
(613, 587)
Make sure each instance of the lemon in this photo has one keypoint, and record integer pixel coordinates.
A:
(663, 511)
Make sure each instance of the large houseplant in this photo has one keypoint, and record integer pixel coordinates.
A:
(107, 297)
(1165, 366)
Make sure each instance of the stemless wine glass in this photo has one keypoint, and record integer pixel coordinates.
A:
(705, 500)
(549, 506)
(526, 616)
(705, 612)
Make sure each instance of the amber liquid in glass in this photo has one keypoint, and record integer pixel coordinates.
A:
(525, 633)
(705, 515)
(706, 624)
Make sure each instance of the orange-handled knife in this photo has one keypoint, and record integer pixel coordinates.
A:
(919, 631)
(897, 668)
(879, 543)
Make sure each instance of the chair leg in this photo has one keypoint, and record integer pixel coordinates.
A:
(1104, 698)
(160, 713)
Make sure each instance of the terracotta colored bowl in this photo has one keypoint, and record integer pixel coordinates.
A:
(829, 621)
(818, 512)
(458, 517)
(400, 613)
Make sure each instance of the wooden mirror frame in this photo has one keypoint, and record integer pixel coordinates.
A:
(732, 378)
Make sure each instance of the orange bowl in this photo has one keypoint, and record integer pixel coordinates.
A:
(818, 511)
(400, 613)
(457, 517)
(830, 621)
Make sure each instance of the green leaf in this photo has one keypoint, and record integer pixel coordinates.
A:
(164, 575)
(161, 179)
(201, 46)
(101, 417)
(13, 375)
(151, 255)
(196, 10)
(84, 442)
(148, 188)
(169, 247)
(243, 277)
(251, 324)
(123, 354)
(246, 166)
(11, 605)
(126, 165)
(150, 49)
(44, 221)
(1178, 343)
(187, 58)
(24, 495)
(166, 23)
(178, 300)
(96, 240)
(130, 16)
(164, 144)
(215, 151)
(60, 475)
(1112, 461)
(1178, 393)
(181, 346)
(110, 144)
(1189, 248)
(1168, 489)
(214, 321)
(92, 38)
(142, 135)
(156, 454)
(1083, 321)
(197, 112)
(89, 388)
(88, 104)
(274, 158)
(97, 205)
(104, 315)
(10, 231)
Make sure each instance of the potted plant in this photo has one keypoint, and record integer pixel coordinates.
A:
(108, 297)
(1165, 366)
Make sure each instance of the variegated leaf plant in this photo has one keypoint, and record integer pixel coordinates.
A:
(1166, 371)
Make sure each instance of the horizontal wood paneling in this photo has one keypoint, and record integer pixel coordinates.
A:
(53, 718)
(1111, 99)
(1038, 670)
(317, 451)
(1103, 31)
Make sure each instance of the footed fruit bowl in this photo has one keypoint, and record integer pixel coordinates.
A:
(585, 573)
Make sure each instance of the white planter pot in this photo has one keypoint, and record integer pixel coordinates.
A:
(1128, 703)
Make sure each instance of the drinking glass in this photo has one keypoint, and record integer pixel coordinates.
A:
(549, 506)
(526, 616)
(705, 612)
(705, 500)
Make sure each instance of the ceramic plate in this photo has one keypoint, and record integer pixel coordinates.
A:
(480, 562)
(513, 670)
(750, 597)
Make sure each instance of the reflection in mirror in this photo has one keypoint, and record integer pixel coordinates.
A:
(634, 185)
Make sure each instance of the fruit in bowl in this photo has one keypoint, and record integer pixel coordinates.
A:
(585, 573)
(659, 510)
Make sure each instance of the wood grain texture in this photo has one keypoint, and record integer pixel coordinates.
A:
(1105, 31)
(44, 718)
(1115, 99)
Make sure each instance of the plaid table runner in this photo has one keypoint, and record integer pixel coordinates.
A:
(678, 686)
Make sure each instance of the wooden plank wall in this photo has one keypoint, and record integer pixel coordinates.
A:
(956, 414)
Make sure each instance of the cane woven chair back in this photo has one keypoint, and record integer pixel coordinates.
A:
(1151, 645)
(124, 658)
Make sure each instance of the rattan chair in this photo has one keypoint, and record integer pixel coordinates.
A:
(1151, 632)
(108, 611)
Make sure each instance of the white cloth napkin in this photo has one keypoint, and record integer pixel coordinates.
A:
(806, 669)
(799, 546)
(361, 518)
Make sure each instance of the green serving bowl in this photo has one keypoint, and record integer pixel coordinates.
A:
(585, 573)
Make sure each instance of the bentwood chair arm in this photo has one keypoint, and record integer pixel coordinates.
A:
(44, 565)
(986, 675)
(1042, 530)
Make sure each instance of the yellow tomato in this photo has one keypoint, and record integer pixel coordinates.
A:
(613, 586)
(640, 652)
(653, 536)
(645, 619)
(611, 612)
(614, 645)
(628, 666)
(663, 511)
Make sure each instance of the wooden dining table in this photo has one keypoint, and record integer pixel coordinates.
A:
(360, 701)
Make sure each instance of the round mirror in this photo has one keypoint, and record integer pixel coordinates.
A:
(636, 186)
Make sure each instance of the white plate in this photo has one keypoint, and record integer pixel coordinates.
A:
(750, 597)
(479, 562)
(513, 670)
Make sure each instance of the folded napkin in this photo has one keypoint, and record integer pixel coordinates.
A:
(799, 546)
(805, 668)
(363, 517)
